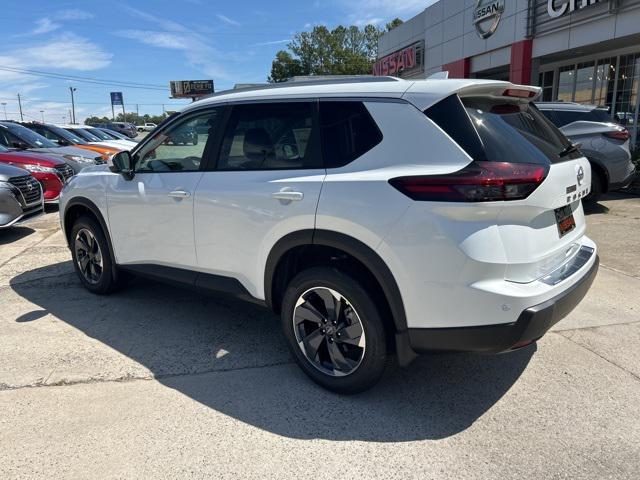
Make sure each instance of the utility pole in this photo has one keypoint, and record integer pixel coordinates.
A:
(137, 110)
(20, 106)
(70, 117)
(124, 115)
(73, 105)
(42, 113)
(4, 107)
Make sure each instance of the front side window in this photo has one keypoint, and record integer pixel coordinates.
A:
(181, 147)
(269, 136)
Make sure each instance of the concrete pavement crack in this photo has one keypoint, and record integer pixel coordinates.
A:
(637, 277)
(130, 378)
(599, 355)
(53, 232)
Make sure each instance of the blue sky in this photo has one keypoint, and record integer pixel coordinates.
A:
(152, 42)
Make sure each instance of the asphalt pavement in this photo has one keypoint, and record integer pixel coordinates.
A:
(159, 382)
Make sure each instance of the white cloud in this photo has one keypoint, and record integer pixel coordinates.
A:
(163, 23)
(361, 12)
(45, 25)
(167, 34)
(73, 14)
(172, 40)
(368, 21)
(228, 20)
(273, 42)
(52, 22)
(64, 51)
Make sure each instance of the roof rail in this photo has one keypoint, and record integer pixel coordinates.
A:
(343, 79)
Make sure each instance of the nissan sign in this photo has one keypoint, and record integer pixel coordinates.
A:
(408, 58)
(557, 10)
(486, 17)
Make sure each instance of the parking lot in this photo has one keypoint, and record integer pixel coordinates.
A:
(156, 382)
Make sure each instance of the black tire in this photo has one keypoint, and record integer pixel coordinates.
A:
(596, 187)
(195, 140)
(105, 282)
(364, 364)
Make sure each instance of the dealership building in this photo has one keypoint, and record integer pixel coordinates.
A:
(585, 51)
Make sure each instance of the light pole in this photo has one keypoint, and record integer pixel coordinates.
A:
(73, 105)
(42, 113)
(4, 107)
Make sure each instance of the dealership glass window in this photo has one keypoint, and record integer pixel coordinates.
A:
(584, 82)
(604, 82)
(566, 83)
(546, 82)
(628, 76)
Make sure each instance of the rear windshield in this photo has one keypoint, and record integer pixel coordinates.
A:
(499, 130)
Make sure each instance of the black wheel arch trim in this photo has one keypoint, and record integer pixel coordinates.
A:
(93, 208)
(363, 253)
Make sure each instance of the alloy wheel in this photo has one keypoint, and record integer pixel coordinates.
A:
(88, 256)
(329, 332)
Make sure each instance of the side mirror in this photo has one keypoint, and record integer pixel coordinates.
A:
(122, 163)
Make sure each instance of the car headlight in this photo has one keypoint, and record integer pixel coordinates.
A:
(38, 168)
(5, 185)
(78, 158)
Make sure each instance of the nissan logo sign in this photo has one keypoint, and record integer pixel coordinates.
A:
(580, 176)
(486, 17)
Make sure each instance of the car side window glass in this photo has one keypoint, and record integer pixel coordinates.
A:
(269, 136)
(348, 132)
(181, 147)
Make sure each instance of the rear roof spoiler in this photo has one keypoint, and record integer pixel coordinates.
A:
(425, 93)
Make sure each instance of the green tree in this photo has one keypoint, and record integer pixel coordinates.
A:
(342, 51)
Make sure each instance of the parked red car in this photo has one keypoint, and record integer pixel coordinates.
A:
(51, 172)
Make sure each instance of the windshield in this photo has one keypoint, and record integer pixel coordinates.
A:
(69, 136)
(98, 133)
(31, 138)
(115, 135)
(84, 134)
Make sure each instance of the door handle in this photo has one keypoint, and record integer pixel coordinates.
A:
(288, 195)
(179, 194)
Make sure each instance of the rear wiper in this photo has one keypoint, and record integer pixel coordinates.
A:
(569, 149)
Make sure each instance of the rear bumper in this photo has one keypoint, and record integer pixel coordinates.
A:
(531, 325)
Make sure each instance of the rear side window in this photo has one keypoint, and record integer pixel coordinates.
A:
(348, 132)
(270, 136)
(507, 131)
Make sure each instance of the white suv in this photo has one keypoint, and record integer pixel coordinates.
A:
(376, 216)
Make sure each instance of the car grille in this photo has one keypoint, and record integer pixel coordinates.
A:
(65, 172)
(29, 187)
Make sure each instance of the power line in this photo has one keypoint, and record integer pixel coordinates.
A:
(92, 80)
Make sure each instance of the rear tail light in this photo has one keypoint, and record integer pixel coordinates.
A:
(618, 134)
(477, 182)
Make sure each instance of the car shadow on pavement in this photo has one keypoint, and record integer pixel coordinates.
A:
(230, 356)
(13, 234)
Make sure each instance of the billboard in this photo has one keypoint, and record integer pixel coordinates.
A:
(190, 88)
(116, 98)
